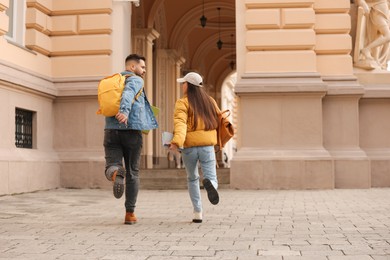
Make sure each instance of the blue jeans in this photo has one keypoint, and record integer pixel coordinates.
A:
(119, 146)
(206, 157)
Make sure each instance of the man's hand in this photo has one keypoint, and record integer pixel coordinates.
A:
(121, 118)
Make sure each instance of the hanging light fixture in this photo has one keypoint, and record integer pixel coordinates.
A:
(203, 19)
(219, 42)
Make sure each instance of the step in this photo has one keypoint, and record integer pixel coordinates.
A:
(176, 179)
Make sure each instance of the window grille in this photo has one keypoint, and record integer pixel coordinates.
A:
(23, 128)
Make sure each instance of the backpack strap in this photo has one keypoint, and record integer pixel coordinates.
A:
(138, 93)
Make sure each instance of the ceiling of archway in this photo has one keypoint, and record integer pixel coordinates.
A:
(178, 22)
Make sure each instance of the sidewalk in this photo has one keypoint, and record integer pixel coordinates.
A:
(277, 225)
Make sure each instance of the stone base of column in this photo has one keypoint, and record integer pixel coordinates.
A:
(282, 169)
(379, 167)
(341, 134)
(352, 169)
(374, 110)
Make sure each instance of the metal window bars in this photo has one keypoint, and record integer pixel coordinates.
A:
(23, 128)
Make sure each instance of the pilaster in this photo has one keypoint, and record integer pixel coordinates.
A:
(341, 103)
(280, 93)
(283, 148)
(374, 124)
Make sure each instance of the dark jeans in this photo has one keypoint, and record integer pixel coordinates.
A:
(125, 145)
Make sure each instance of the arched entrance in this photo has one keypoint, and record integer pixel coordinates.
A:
(169, 33)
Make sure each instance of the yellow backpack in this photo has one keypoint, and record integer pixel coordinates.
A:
(110, 93)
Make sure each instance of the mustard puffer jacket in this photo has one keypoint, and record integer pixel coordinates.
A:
(183, 135)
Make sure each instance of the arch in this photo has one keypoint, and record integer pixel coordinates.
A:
(205, 47)
(153, 12)
(191, 19)
(160, 25)
(210, 74)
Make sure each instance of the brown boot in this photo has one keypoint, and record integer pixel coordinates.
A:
(130, 218)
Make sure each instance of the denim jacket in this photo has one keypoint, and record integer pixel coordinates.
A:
(139, 114)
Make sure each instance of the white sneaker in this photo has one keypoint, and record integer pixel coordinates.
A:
(197, 217)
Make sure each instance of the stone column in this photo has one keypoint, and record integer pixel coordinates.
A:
(143, 44)
(341, 104)
(280, 91)
(179, 62)
(168, 64)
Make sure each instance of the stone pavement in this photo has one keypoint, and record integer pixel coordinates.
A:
(277, 225)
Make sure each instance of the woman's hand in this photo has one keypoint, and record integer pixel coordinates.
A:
(173, 147)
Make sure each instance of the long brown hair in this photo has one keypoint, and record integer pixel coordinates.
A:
(202, 107)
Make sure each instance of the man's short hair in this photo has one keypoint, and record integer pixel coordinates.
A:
(134, 57)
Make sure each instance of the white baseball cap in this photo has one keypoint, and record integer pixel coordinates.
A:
(193, 78)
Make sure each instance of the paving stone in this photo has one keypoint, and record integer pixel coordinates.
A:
(355, 257)
(268, 225)
(277, 252)
(260, 258)
(381, 257)
(304, 258)
(327, 253)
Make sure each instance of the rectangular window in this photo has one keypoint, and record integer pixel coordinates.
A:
(23, 128)
(10, 13)
(16, 13)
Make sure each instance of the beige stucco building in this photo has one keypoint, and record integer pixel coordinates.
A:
(308, 114)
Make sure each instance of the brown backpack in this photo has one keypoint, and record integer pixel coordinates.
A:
(225, 130)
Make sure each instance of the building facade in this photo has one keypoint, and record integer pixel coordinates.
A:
(309, 104)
